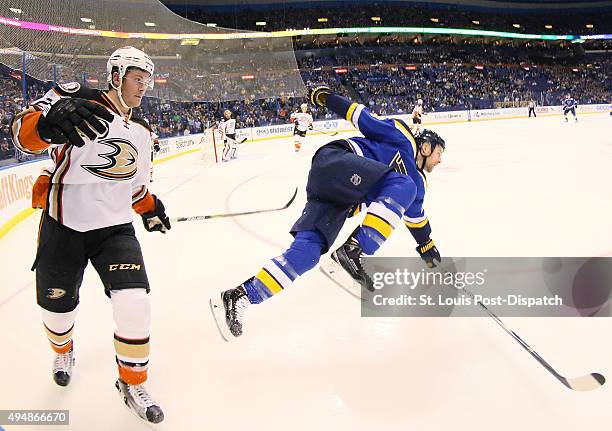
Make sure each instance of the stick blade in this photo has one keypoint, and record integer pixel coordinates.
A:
(292, 198)
(586, 383)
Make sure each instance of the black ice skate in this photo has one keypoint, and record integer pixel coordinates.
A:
(228, 311)
(344, 268)
(62, 367)
(138, 401)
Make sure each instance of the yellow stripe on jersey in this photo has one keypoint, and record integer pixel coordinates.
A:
(416, 225)
(269, 281)
(424, 180)
(349, 113)
(378, 224)
(407, 134)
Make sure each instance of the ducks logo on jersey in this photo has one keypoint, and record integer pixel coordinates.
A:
(121, 161)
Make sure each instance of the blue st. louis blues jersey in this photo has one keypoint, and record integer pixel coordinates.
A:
(388, 141)
(569, 103)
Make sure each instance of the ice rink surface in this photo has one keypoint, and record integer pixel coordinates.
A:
(307, 360)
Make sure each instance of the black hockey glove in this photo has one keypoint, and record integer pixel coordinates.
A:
(67, 118)
(156, 220)
(318, 95)
(429, 253)
(156, 147)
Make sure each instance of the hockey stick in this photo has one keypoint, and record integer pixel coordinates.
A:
(325, 133)
(207, 217)
(587, 382)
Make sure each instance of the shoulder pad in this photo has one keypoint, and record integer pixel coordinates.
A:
(144, 123)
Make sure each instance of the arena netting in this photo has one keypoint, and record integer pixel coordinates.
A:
(71, 40)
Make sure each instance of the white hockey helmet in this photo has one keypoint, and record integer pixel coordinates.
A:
(420, 102)
(126, 57)
(304, 107)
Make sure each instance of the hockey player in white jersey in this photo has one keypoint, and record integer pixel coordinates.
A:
(417, 113)
(228, 128)
(303, 122)
(101, 158)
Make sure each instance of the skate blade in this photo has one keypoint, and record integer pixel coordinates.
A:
(338, 275)
(218, 312)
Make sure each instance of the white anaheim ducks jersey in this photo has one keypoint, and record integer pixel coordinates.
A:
(417, 112)
(228, 127)
(302, 120)
(93, 186)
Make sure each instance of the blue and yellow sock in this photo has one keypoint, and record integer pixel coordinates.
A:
(303, 254)
(395, 193)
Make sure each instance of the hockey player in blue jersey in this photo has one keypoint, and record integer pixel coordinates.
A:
(384, 171)
(570, 105)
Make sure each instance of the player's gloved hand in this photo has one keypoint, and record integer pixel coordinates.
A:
(67, 118)
(429, 253)
(156, 220)
(156, 147)
(318, 95)
(311, 127)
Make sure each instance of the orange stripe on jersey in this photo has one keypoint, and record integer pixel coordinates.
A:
(28, 133)
(145, 205)
(40, 190)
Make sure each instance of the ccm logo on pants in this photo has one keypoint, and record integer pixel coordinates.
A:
(123, 267)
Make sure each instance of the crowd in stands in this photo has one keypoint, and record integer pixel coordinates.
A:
(283, 16)
(447, 75)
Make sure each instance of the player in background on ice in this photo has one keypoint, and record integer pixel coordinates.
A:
(532, 106)
(100, 167)
(303, 121)
(154, 149)
(417, 113)
(384, 172)
(228, 127)
(570, 105)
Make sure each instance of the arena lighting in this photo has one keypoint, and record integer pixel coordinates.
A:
(375, 18)
(11, 22)
(434, 19)
(476, 22)
(341, 70)
(548, 26)
(516, 25)
(260, 23)
(589, 26)
(322, 20)
(86, 19)
(150, 24)
(479, 67)
(248, 77)
(411, 67)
